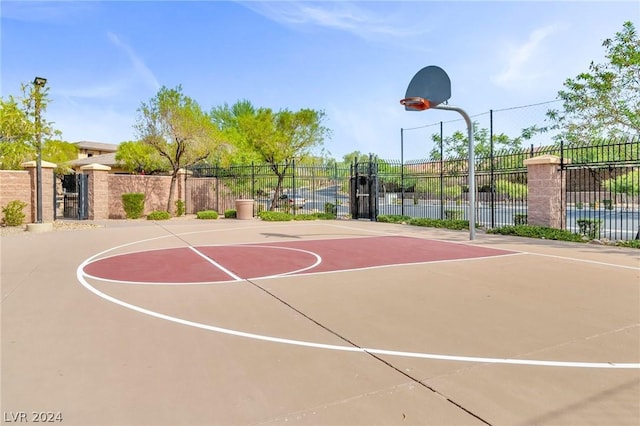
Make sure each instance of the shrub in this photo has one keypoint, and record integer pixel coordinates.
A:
(304, 216)
(393, 218)
(331, 208)
(13, 215)
(629, 243)
(537, 232)
(207, 214)
(179, 208)
(590, 228)
(440, 223)
(514, 190)
(158, 215)
(230, 214)
(133, 204)
(520, 219)
(314, 216)
(453, 214)
(269, 216)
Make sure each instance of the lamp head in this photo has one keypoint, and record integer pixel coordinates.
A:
(39, 81)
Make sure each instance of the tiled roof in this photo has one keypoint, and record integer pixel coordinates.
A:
(104, 159)
(98, 146)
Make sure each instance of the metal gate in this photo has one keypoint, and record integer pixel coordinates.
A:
(73, 200)
(363, 190)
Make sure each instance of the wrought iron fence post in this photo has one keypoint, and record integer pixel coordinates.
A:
(441, 171)
(253, 180)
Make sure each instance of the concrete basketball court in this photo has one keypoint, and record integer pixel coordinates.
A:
(232, 322)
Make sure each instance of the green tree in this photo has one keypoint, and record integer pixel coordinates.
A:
(355, 155)
(140, 158)
(627, 184)
(59, 153)
(457, 145)
(275, 138)
(603, 102)
(15, 135)
(177, 128)
(18, 142)
(227, 119)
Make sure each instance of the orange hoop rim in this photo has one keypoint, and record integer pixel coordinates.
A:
(415, 103)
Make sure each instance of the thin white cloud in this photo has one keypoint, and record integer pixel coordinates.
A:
(343, 16)
(47, 11)
(138, 64)
(525, 62)
(119, 86)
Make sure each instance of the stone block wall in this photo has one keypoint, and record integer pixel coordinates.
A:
(15, 185)
(154, 188)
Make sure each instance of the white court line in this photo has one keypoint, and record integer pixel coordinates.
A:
(594, 262)
(216, 264)
(235, 278)
(485, 360)
(575, 259)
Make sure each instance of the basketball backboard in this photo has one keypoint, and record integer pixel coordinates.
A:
(428, 88)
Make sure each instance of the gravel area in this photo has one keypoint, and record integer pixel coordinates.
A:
(57, 226)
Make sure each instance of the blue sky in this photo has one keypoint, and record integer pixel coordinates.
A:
(353, 60)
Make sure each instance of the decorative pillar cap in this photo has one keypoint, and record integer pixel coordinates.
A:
(545, 159)
(95, 166)
(33, 164)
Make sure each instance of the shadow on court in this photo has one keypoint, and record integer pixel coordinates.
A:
(337, 322)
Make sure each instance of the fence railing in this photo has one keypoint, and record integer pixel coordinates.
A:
(607, 174)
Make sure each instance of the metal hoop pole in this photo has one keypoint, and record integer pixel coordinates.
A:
(472, 175)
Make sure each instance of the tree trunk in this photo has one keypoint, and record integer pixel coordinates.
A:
(276, 193)
(174, 179)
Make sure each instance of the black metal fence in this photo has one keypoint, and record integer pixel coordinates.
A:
(601, 195)
(293, 188)
(603, 189)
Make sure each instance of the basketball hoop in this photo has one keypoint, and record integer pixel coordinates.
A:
(415, 104)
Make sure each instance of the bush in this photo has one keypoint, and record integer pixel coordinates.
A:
(269, 216)
(590, 228)
(520, 219)
(393, 218)
(457, 225)
(158, 215)
(537, 232)
(331, 208)
(179, 208)
(453, 214)
(629, 243)
(133, 204)
(314, 216)
(13, 215)
(230, 214)
(207, 214)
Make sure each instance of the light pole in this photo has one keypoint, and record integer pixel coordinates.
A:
(38, 83)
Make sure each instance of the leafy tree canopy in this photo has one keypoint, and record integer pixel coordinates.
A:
(176, 127)
(140, 158)
(19, 127)
(603, 102)
(457, 145)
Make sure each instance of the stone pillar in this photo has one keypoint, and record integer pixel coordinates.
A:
(48, 192)
(545, 190)
(98, 182)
